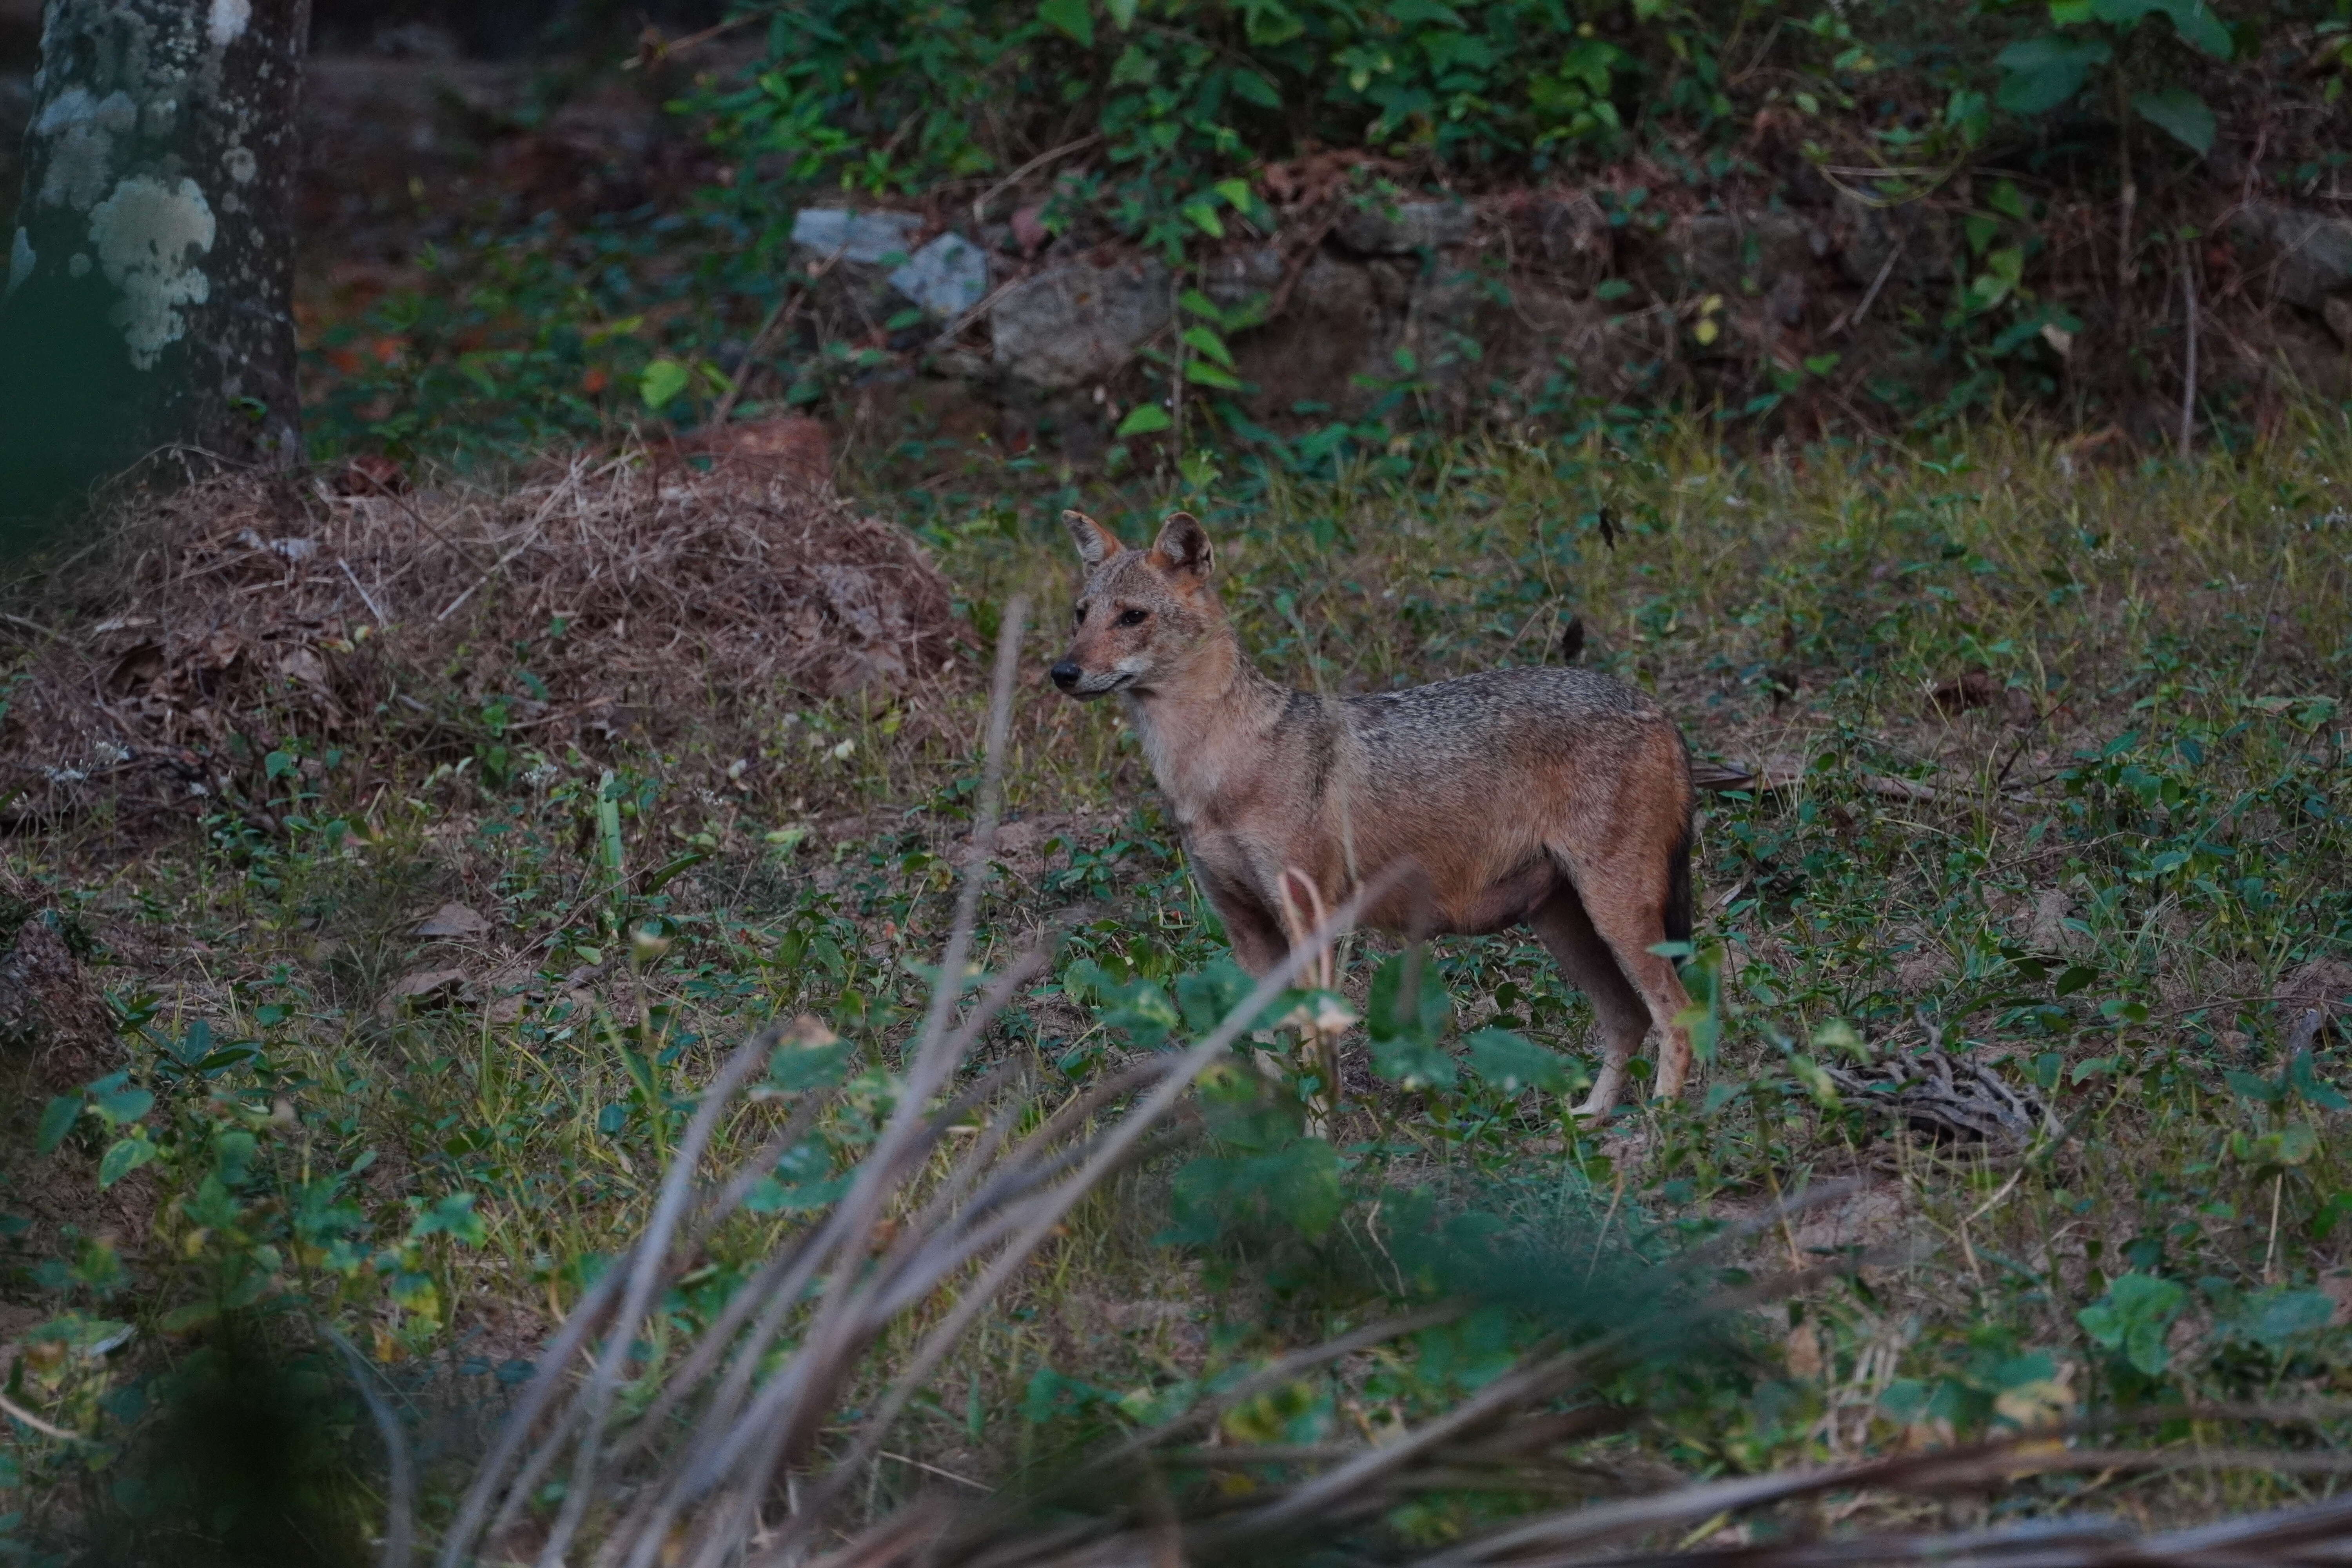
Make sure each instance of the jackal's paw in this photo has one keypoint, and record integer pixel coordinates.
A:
(1603, 1097)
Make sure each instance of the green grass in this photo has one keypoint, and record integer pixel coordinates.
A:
(2098, 878)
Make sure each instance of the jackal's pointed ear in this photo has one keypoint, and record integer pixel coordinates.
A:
(1183, 544)
(1096, 543)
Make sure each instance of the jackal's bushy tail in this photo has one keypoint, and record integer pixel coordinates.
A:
(1678, 887)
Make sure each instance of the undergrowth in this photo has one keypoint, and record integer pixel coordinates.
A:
(2052, 775)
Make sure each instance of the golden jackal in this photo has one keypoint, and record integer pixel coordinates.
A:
(1556, 799)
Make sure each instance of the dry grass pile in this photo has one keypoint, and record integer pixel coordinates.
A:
(611, 598)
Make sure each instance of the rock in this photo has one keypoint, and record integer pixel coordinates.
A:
(958, 364)
(946, 277)
(1867, 236)
(866, 237)
(1332, 288)
(1409, 227)
(1235, 280)
(1574, 235)
(1070, 325)
(1442, 319)
(1344, 319)
(2308, 255)
(1740, 254)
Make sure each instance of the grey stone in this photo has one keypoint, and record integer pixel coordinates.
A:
(1392, 283)
(958, 365)
(1870, 236)
(1344, 319)
(1237, 279)
(1074, 324)
(1445, 300)
(1574, 235)
(1442, 324)
(2309, 254)
(1735, 253)
(865, 237)
(1377, 230)
(1333, 288)
(946, 277)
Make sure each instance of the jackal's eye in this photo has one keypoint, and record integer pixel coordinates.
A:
(1078, 614)
(1133, 618)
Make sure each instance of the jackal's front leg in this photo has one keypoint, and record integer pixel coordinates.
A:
(1256, 936)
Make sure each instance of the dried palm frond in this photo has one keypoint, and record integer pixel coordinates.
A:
(1947, 1097)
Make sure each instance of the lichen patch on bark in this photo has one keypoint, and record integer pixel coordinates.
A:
(81, 158)
(154, 269)
(149, 236)
(226, 25)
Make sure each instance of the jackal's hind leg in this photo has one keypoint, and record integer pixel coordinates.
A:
(1567, 933)
(1632, 923)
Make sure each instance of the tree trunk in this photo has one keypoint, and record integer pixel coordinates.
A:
(149, 296)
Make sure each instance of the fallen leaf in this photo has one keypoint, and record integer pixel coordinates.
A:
(1804, 1353)
(135, 668)
(421, 983)
(452, 920)
(303, 665)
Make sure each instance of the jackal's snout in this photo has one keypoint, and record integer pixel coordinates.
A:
(1076, 679)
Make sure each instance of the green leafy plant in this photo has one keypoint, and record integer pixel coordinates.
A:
(1406, 1017)
(2133, 1318)
(2050, 70)
(1178, 101)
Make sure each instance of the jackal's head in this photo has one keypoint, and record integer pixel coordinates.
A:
(1143, 613)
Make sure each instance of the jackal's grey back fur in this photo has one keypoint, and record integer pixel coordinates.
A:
(1454, 730)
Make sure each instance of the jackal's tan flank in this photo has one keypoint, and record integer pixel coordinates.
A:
(1556, 799)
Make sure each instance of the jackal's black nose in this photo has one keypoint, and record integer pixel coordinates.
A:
(1066, 674)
